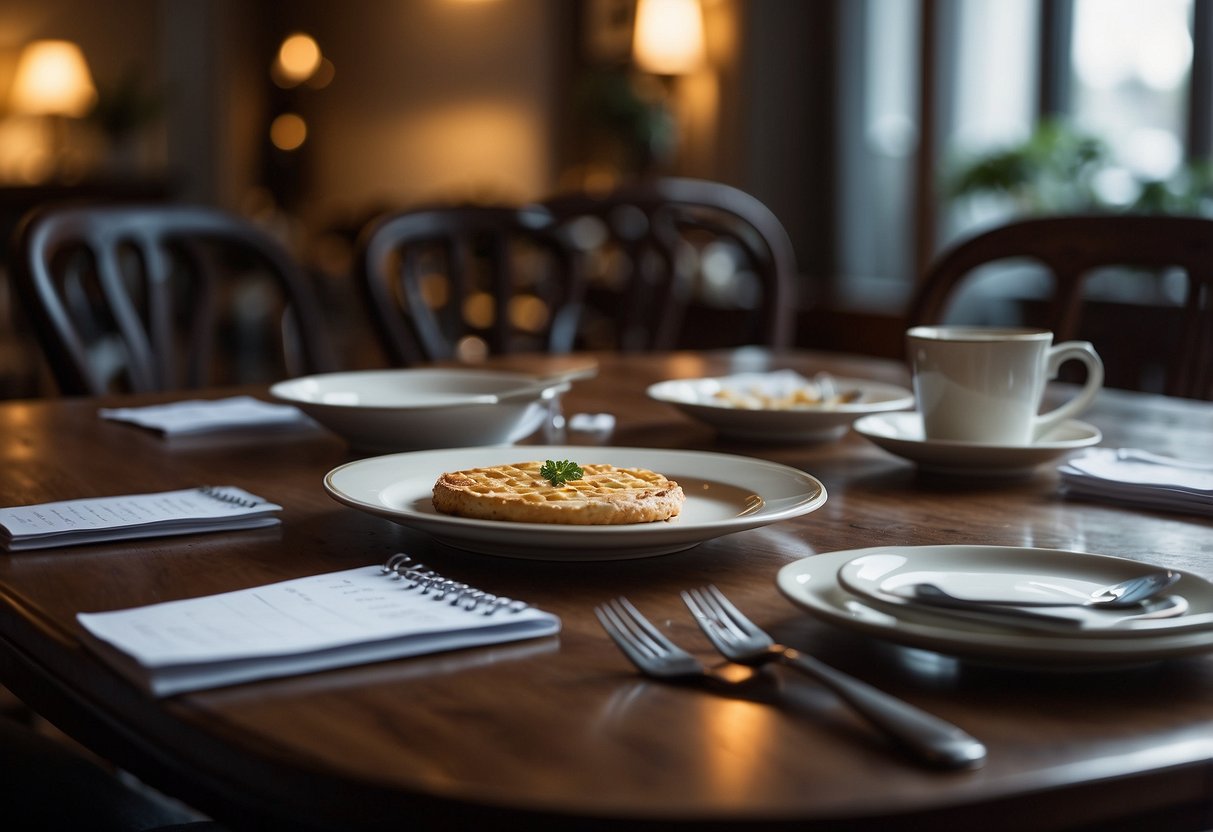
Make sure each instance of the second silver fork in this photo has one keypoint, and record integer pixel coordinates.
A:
(738, 639)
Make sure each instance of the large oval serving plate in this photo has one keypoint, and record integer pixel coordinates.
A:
(725, 494)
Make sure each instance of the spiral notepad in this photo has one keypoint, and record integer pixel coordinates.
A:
(338, 619)
(93, 520)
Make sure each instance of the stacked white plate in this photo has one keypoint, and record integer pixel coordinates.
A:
(857, 590)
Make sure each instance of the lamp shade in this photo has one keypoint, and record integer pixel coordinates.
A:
(52, 78)
(668, 39)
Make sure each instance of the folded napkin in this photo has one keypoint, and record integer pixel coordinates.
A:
(1140, 478)
(206, 416)
(602, 423)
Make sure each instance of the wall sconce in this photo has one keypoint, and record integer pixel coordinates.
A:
(668, 38)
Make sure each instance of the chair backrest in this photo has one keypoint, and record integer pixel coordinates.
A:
(653, 248)
(448, 281)
(1173, 254)
(161, 297)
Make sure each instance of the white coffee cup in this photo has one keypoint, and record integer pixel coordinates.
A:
(986, 384)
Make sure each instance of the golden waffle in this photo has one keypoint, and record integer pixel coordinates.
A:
(604, 495)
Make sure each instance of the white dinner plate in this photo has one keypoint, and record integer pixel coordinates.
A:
(1034, 575)
(813, 584)
(699, 398)
(725, 494)
(901, 434)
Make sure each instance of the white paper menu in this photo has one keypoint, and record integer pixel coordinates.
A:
(98, 519)
(299, 626)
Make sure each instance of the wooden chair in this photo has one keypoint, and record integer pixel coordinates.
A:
(452, 281)
(653, 248)
(163, 297)
(1175, 251)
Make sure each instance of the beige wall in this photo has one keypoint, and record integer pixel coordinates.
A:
(432, 99)
(114, 36)
(113, 33)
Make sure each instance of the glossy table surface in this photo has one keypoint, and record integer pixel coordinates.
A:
(561, 732)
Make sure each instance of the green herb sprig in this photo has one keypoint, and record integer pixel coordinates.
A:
(558, 473)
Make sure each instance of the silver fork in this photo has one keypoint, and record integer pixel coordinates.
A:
(738, 639)
(644, 645)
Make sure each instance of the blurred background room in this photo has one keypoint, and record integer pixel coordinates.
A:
(877, 131)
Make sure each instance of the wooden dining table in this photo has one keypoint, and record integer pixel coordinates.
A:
(561, 732)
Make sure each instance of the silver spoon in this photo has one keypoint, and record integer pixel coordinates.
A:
(1036, 618)
(1128, 593)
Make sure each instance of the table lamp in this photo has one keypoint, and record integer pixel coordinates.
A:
(667, 43)
(52, 81)
(668, 39)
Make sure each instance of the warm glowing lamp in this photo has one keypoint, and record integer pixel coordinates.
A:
(52, 79)
(668, 39)
(288, 131)
(52, 82)
(298, 60)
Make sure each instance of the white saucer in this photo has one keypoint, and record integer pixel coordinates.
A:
(813, 584)
(901, 434)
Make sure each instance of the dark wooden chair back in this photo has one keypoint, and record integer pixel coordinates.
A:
(653, 249)
(455, 281)
(148, 298)
(1173, 254)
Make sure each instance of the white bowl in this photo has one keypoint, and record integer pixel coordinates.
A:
(700, 399)
(404, 410)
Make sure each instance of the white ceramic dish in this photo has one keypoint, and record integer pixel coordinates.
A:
(812, 583)
(877, 577)
(725, 494)
(698, 398)
(397, 410)
(901, 434)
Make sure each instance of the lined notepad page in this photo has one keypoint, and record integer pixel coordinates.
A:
(302, 625)
(131, 516)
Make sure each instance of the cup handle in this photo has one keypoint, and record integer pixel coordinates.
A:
(1058, 355)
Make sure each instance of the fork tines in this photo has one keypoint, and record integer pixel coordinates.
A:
(646, 646)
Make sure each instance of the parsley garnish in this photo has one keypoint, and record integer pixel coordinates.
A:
(561, 472)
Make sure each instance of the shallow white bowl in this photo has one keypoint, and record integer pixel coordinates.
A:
(403, 410)
(697, 397)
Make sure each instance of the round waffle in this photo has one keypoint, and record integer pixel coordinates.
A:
(604, 495)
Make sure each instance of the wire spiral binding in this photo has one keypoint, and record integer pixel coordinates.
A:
(419, 576)
(218, 493)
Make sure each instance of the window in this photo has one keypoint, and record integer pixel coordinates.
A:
(1131, 62)
(924, 85)
(878, 137)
